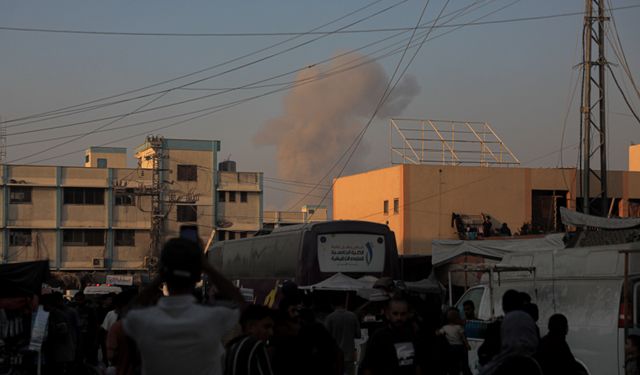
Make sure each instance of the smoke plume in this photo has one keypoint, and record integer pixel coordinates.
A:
(321, 119)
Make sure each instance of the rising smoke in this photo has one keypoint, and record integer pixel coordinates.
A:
(321, 119)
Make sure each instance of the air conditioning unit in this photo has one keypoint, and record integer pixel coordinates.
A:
(98, 262)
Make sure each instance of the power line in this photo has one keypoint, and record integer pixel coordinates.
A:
(63, 111)
(289, 33)
(221, 107)
(233, 104)
(250, 85)
(623, 94)
(235, 59)
(388, 90)
(359, 137)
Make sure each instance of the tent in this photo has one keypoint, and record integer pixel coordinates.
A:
(579, 219)
(22, 279)
(428, 285)
(445, 250)
(343, 283)
(338, 282)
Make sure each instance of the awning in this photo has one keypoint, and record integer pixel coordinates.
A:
(23, 279)
(444, 250)
(580, 220)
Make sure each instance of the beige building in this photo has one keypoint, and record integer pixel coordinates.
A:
(418, 201)
(308, 214)
(98, 217)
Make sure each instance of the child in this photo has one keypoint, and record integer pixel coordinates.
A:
(458, 344)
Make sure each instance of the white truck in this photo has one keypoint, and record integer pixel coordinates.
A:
(586, 284)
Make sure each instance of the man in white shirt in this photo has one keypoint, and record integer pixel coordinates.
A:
(177, 335)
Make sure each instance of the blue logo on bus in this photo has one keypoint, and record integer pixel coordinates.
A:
(369, 255)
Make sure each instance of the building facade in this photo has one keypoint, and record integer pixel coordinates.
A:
(418, 202)
(99, 217)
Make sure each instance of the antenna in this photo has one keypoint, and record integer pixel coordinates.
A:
(592, 124)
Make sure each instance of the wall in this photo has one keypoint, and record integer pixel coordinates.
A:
(634, 158)
(361, 197)
(203, 188)
(116, 157)
(41, 212)
(431, 193)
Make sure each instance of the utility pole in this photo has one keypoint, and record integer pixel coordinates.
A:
(592, 123)
(3, 142)
(161, 198)
(156, 193)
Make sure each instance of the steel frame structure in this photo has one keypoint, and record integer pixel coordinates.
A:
(447, 142)
(593, 112)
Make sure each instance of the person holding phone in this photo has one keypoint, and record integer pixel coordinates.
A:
(177, 335)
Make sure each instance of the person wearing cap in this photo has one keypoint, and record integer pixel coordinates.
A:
(177, 335)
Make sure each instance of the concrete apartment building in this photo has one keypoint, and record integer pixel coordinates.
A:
(417, 201)
(98, 217)
(308, 214)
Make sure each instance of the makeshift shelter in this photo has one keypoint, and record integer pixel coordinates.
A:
(338, 282)
(443, 251)
(430, 285)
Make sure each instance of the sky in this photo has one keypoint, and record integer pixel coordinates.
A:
(517, 76)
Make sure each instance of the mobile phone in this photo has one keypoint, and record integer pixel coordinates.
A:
(190, 232)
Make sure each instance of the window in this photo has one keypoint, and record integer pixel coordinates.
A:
(221, 196)
(232, 196)
(187, 173)
(187, 213)
(102, 163)
(83, 237)
(243, 196)
(20, 194)
(86, 158)
(386, 207)
(396, 205)
(125, 237)
(243, 234)
(83, 196)
(20, 237)
(220, 235)
(232, 235)
(125, 197)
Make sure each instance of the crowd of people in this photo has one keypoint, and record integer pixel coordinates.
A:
(147, 333)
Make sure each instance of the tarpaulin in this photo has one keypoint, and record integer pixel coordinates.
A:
(443, 251)
(579, 219)
(22, 279)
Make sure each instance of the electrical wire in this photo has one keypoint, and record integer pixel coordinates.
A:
(624, 96)
(388, 90)
(220, 92)
(271, 34)
(264, 58)
(231, 104)
(61, 112)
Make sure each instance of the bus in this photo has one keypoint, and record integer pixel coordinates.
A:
(306, 254)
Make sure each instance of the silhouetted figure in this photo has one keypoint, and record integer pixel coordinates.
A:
(504, 230)
(177, 335)
(486, 226)
(554, 355)
(247, 353)
(344, 327)
(458, 345)
(469, 310)
(518, 335)
(392, 349)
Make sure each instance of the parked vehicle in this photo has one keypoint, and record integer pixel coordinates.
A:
(307, 254)
(586, 285)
